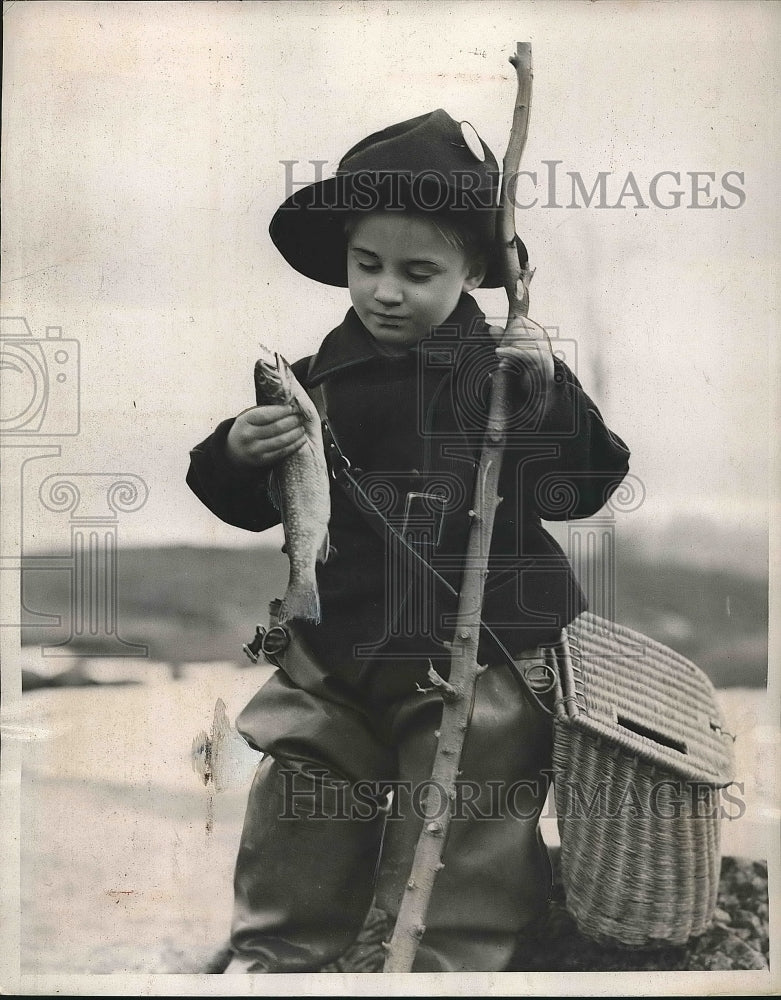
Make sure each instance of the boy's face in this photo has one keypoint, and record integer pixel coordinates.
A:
(404, 277)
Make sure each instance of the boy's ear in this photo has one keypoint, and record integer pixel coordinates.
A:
(476, 274)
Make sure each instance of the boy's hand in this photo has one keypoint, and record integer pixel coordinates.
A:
(263, 435)
(526, 343)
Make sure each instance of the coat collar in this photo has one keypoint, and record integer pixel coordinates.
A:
(351, 344)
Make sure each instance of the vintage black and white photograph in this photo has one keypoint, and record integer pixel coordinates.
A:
(389, 487)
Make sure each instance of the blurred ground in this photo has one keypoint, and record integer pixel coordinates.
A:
(127, 857)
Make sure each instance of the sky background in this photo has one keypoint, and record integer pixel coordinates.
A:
(141, 166)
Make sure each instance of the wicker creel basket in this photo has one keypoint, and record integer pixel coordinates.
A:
(640, 753)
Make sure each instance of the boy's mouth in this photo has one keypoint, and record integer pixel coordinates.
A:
(387, 319)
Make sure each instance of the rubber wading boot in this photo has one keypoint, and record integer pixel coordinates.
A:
(305, 869)
(497, 875)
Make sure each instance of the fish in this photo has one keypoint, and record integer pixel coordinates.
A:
(299, 487)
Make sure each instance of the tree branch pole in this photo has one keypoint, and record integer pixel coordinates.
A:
(458, 693)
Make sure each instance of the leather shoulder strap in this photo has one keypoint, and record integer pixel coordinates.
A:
(316, 392)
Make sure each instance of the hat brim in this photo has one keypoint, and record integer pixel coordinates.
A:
(309, 232)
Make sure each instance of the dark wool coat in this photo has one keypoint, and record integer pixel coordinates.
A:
(414, 425)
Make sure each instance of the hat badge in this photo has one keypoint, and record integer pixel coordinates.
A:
(472, 140)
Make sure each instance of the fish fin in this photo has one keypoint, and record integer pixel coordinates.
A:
(274, 491)
(300, 601)
(327, 551)
(286, 377)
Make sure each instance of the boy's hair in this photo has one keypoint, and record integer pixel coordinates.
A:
(455, 230)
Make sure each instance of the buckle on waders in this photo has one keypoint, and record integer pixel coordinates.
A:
(271, 642)
(540, 677)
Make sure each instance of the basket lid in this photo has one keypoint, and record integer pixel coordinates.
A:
(651, 701)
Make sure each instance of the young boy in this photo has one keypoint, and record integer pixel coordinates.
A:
(407, 224)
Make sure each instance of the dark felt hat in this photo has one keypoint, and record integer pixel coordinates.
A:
(432, 165)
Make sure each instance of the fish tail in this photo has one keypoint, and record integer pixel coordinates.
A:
(301, 600)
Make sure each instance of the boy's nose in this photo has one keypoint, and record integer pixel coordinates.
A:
(387, 291)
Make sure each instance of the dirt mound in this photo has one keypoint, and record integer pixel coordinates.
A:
(737, 938)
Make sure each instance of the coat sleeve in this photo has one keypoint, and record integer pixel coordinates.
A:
(575, 462)
(237, 496)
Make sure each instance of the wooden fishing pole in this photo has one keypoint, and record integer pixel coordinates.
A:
(459, 691)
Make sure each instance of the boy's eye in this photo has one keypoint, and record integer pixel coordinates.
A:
(419, 275)
(371, 268)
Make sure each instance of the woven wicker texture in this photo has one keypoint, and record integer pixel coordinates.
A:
(639, 754)
(646, 698)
